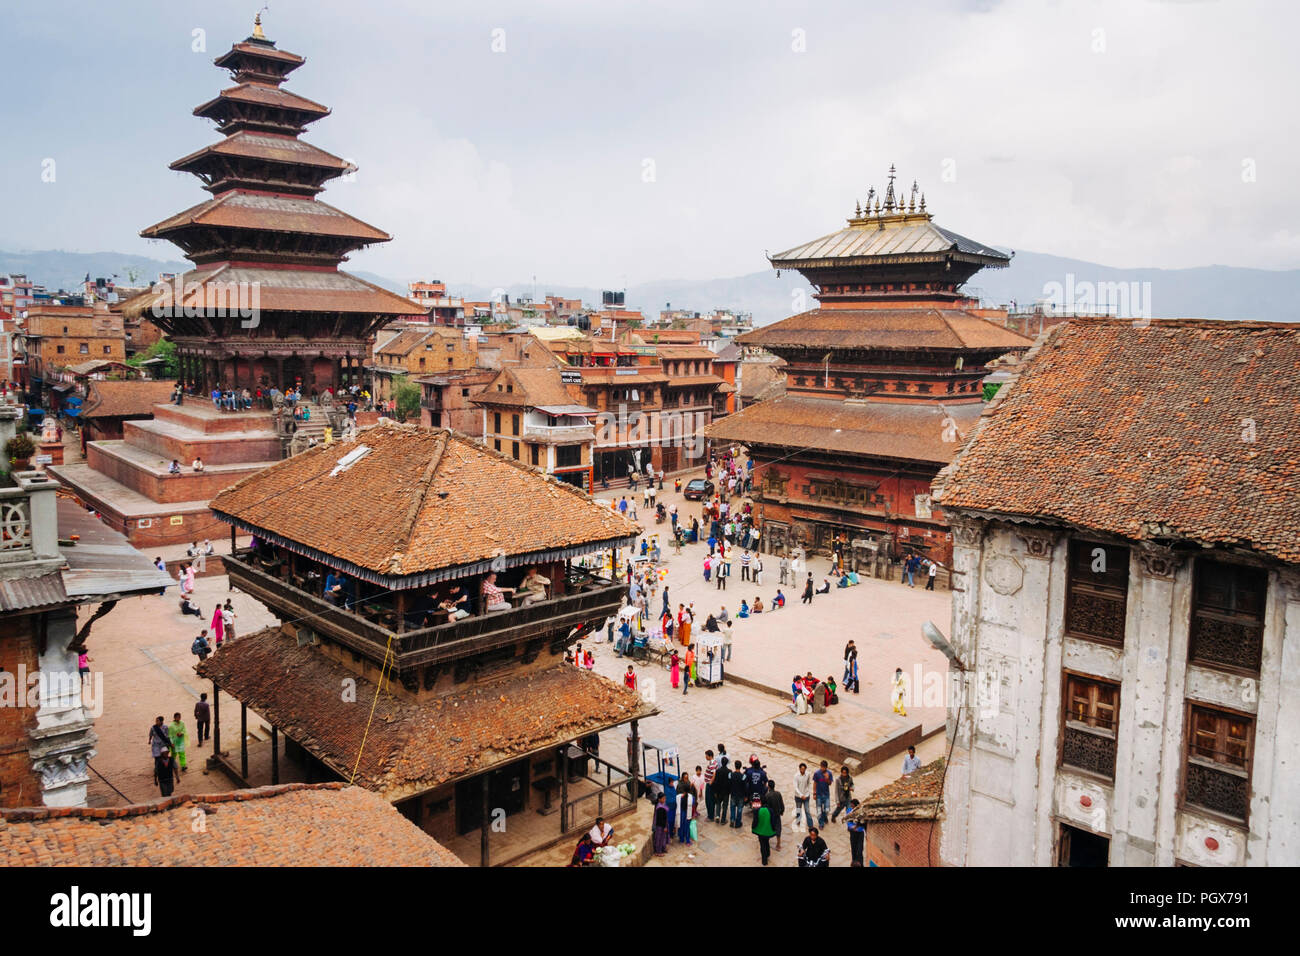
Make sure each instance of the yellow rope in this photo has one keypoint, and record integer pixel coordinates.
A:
(383, 671)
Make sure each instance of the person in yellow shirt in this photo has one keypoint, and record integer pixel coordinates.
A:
(899, 693)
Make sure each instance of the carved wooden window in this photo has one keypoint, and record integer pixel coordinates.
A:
(1227, 629)
(1219, 751)
(1096, 592)
(1090, 721)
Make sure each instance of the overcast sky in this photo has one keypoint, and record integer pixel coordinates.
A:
(605, 143)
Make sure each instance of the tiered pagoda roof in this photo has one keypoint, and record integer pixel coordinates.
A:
(892, 251)
(263, 214)
(891, 364)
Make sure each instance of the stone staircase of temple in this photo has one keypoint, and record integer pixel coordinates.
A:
(129, 483)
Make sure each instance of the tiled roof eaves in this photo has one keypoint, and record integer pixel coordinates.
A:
(425, 578)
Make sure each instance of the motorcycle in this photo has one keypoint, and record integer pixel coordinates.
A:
(823, 860)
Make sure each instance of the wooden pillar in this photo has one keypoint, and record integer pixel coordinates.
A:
(243, 740)
(275, 754)
(634, 760)
(486, 828)
(216, 719)
(279, 373)
(401, 611)
(564, 788)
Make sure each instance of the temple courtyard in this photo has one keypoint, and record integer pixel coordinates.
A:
(142, 651)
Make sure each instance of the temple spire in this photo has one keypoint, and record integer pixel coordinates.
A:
(257, 26)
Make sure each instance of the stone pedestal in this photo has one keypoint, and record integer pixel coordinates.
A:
(48, 453)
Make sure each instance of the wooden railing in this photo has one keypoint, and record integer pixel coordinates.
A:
(427, 645)
(613, 797)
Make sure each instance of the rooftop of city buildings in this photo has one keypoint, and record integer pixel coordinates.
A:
(324, 824)
(1166, 430)
(434, 501)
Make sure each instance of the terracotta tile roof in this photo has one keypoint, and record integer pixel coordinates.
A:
(645, 375)
(433, 499)
(326, 824)
(684, 352)
(410, 746)
(267, 146)
(404, 343)
(761, 380)
(949, 329)
(122, 399)
(258, 50)
(1138, 432)
(533, 387)
(914, 796)
(681, 381)
(263, 96)
(291, 290)
(912, 432)
(241, 210)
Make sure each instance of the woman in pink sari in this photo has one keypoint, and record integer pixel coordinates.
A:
(218, 625)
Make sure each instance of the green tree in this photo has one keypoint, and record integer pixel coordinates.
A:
(164, 349)
(407, 395)
(991, 389)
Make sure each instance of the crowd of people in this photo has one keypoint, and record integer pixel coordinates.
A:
(234, 399)
(728, 789)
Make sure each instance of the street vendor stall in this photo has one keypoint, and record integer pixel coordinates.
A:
(708, 666)
(667, 764)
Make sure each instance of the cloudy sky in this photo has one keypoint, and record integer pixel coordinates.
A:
(610, 143)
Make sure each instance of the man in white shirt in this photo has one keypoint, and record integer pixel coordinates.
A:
(911, 763)
(601, 833)
(802, 797)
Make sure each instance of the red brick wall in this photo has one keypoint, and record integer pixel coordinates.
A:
(19, 784)
(903, 842)
(898, 492)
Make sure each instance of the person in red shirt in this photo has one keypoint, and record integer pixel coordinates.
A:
(629, 679)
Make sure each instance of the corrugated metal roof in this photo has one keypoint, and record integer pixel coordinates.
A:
(26, 593)
(881, 239)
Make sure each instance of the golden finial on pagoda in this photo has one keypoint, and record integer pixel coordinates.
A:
(922, 202)
(857, 210)
(912, 203)
(257, 26)
(889, 191)
(871, 194)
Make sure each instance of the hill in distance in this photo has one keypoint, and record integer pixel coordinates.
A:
(1213, 292)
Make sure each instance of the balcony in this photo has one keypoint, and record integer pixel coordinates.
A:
(474, 635)
(1217, 788)
(1086, 749)
(559, 433)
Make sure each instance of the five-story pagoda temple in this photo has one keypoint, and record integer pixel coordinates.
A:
(266, 303)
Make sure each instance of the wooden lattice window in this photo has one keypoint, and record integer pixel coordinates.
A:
(1096, 591)
(1219, 751)
(1227, 629)
(1090, 722)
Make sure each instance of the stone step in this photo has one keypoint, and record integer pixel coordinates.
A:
(146, 472)
(201, 416)
(169, 439)
(145, 523)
